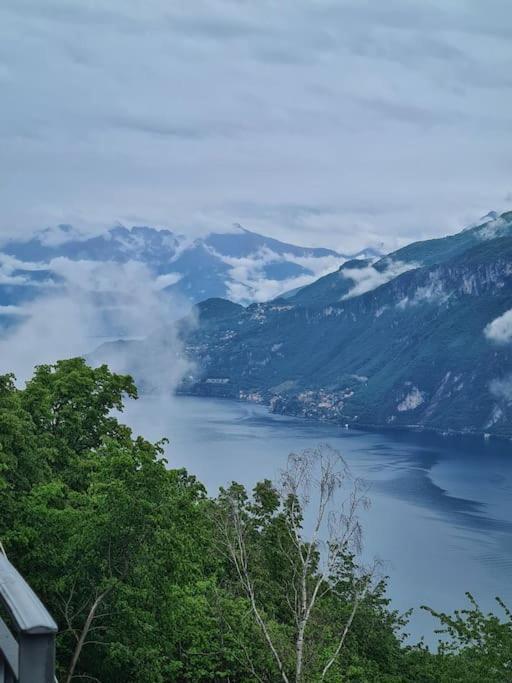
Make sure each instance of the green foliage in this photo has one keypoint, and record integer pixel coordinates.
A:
(101, 529)
(475, 646)
(270, 525)
(129, 558)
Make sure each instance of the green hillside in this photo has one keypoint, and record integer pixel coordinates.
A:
(409, 353)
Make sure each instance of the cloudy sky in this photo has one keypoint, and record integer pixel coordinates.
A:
(330, 122)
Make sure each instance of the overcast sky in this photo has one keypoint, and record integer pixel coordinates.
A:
(339, 123)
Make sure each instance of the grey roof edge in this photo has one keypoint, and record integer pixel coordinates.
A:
(28, 612)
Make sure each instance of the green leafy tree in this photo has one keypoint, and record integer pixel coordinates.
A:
(152, 580)
(121, 549)
(475, 646)
(305, 590)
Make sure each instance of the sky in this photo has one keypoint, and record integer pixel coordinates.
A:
(340, 123)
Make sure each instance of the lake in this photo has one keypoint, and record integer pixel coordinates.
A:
(441, 514)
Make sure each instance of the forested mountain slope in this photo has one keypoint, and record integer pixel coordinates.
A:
(426, 347)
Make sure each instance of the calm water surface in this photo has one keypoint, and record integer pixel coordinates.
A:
(441, 514)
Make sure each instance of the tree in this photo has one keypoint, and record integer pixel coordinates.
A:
(119, 547)
(151, 580)
(312, 568)
(85, 511)
(475, 646)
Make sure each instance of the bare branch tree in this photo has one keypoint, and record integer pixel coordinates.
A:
(234, 535)
(320, 504)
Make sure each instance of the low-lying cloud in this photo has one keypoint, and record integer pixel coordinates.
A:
(499, 330)
(259, 290)
(494, 228)
(368, 278)
(98, 302)
(249, 283)
(11, 310)
(502, 388)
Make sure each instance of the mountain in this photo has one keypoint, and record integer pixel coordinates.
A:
(440, 250)
(241, 265)
(357, 276)
(420, 339)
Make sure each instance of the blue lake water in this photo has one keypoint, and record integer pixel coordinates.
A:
(441, 513)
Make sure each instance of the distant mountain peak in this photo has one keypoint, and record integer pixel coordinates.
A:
(489, 216)
(241, 265)
(240, 228)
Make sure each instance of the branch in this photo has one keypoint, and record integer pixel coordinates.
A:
(343, 636)
(240, 562)
(83, 636)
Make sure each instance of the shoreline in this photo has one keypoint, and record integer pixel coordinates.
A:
(445, 433)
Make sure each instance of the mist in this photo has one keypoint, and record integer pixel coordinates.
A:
(105, 312)
(499, 330)
(368, 278)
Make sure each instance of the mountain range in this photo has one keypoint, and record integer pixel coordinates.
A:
(421, 338)
(238, 264)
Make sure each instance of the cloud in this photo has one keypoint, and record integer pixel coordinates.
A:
(98, 301)
(262, 290)
(53, 328)
(500, 329)
(196, 115)
(166, 280)
(11, 310)
(368, 278)
(6, 279)
(319, 266)
(8, 271)
(249, 283)
(502, 388)
(9, 264)
(494, 228)
(54, 236)
(103, 276)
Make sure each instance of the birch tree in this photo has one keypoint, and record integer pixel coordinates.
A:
(313, 517)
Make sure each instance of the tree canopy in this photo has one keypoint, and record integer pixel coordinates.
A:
(135, 561)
